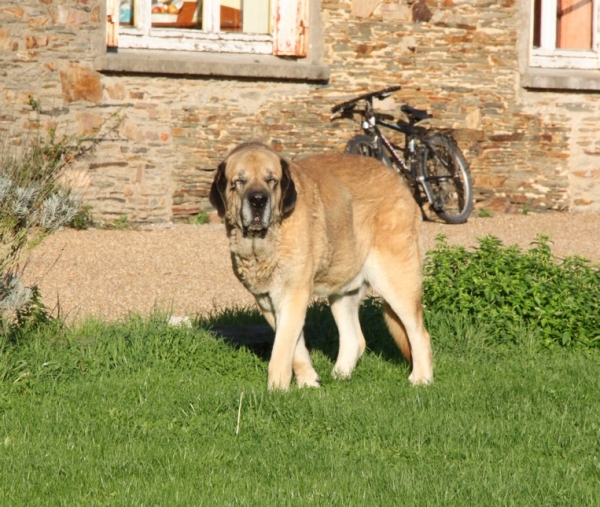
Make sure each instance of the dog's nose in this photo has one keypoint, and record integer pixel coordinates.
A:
(258, 200)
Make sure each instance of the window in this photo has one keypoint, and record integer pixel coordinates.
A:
(233, 26)
(564, 34)
(283, 38)
(562, 45)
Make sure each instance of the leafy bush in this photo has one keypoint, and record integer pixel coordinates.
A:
(33, 203)
(509, 290)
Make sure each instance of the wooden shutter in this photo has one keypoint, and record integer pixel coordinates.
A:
(112, 23)
(290, 27)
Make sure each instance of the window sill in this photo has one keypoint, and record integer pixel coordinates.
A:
(211, 64)
(560, 79)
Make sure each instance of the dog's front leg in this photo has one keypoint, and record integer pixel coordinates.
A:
(289, 316)
(306, 376)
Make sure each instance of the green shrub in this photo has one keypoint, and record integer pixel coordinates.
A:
(33, 203)
(510, 290)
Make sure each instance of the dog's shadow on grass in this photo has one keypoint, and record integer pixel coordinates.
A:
(247, 328)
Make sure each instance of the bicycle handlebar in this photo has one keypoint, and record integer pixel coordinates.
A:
(381, 94)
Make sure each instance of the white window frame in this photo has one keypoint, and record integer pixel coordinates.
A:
(289, 22)
(144, 36)
(296, 51)
(548, 56)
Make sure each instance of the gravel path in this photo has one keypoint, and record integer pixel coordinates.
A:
(185, 269)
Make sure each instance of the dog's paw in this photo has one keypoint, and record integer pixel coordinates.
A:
(275, 386)
(309, 379)
(420, 380)
(279, 382)
(306, 376)
(341, 373)
(310, 383)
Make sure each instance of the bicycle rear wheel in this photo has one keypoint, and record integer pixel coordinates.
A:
(447, 174)
(368, 146)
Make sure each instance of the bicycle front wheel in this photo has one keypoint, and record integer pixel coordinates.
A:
(368, 146)
(447, 175)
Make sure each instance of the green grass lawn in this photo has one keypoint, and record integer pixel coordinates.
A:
(139, 413)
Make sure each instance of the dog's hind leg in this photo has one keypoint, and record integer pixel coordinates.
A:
(397, 330)
(352, 342)
(401, 290)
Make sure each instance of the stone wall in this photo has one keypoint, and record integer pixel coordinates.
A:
(163, 136)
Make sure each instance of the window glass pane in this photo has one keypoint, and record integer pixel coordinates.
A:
(126, 10)
(574, 27)
(236, 16)
(563, 24)
(231, 15)
(175, 14)
(256, 17)
(537, 23)
(247, 16)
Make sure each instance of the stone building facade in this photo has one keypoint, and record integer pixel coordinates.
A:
(531, 140)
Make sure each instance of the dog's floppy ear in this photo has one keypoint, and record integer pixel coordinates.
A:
(217, 190)
(288, 189)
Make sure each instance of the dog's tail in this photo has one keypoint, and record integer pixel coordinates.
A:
(397, 331)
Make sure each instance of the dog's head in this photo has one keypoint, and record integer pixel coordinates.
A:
(253, 188)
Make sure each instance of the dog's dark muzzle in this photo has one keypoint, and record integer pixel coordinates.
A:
(258, 200)
(256, 211)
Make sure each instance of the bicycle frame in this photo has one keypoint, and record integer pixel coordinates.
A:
(431, 161)
(370, 125)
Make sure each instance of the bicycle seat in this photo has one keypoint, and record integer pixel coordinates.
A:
(418, 114)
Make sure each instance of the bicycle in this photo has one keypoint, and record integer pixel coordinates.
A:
(430, 160)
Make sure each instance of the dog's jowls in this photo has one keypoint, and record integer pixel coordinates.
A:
(332, 226)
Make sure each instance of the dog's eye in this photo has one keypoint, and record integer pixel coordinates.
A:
(238, 183)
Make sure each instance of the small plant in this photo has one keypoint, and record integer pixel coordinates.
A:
(484, 213)
(21, 307)
(199, 219)
(83, 219)
(119, 224)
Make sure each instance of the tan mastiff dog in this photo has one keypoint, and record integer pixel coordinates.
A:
(330, 226)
